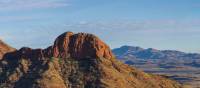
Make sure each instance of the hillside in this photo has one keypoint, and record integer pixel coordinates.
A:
(4, 48)
(181, 66)
(74, 61)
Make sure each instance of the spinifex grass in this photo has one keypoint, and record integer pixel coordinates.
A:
(53, 58)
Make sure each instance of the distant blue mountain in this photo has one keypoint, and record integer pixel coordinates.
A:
(132, 54)
(150, 53)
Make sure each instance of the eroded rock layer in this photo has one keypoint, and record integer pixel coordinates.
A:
(80, 45)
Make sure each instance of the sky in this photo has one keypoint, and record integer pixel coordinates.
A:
(160, 24)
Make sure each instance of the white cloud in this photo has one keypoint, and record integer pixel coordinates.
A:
(31, 4)
(134, 25)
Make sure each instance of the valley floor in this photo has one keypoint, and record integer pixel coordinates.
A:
(189, 76)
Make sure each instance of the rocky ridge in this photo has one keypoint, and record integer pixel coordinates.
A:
(74, 61)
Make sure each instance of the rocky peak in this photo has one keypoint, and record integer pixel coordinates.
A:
(81, 45)
(68, 44)
(60, 47)
(63, 66)
(4, 48)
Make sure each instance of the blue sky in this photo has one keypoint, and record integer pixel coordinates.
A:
(161, 24)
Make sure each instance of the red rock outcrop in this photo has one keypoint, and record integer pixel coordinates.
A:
(74, 61)
(80, 45)
(68, 44)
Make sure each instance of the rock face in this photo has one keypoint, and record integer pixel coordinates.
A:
(74, 61)
(80, 45)
(4, 48)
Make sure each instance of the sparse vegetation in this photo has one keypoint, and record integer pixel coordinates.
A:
(53, 58)
(99, 69)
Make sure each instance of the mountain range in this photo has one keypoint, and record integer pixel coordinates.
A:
(79, 60)
(130, 55)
